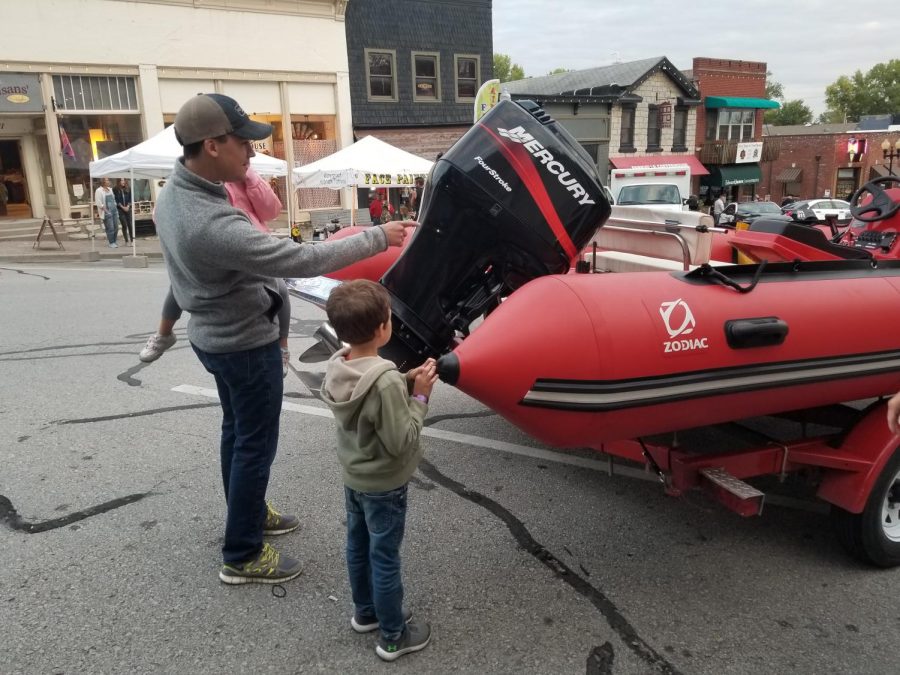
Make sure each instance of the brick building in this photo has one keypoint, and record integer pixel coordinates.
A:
(815, 160)
(639, 113)
(729, 126)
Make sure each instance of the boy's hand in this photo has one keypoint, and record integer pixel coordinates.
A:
(425, 378)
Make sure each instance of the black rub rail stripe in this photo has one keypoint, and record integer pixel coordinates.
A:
(710, 375)
(792, 378)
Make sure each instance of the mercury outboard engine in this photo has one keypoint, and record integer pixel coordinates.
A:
(514, 199)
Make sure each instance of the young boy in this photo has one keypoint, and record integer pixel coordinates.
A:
(379, 416)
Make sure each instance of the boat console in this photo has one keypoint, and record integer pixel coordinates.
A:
(872, 235)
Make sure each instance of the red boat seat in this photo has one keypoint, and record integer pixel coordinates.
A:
(792, 241)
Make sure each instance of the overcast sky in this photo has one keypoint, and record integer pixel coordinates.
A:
(807, 44)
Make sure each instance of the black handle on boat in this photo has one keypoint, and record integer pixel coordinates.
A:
(765, 331)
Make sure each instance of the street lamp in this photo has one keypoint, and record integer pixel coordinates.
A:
(891, 155)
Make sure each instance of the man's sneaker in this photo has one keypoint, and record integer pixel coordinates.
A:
(277, 523)
(269, 567)
(366, 624)
(114, 245)
(285, 360)
(155, 347)
(415, 637)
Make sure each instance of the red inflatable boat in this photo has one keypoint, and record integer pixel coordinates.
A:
(618, 362)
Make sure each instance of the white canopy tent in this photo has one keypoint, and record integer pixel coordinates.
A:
(155, 158)
(369, 162)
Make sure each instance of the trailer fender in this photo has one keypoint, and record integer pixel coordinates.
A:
(869, 440)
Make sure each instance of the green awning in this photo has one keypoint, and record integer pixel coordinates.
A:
(738, 102)
(732, 174)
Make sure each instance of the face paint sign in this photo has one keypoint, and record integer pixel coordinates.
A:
(392, 178)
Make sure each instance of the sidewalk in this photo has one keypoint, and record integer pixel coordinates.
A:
(23, 251)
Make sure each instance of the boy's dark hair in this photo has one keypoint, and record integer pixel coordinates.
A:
(356, 309)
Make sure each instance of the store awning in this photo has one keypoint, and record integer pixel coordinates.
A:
(739, 102)
(879, 171)
(790, 175)
(697, 169)
(733, 174)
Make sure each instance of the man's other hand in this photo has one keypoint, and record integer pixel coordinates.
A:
(395, 231)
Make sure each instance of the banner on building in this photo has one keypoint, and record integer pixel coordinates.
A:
(748, 152)
(486, 98)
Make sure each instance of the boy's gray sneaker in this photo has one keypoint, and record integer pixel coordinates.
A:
(416, 636)
(277, 523)
(155, 347)
(269, 567)
(366, 624)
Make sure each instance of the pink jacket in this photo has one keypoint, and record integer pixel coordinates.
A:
(255, 198)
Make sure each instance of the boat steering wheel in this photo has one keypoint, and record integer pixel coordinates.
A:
(881, 206)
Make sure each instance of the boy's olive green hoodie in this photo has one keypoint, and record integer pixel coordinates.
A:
(378, 424)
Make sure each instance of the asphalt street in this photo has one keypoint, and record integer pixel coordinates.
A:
(523, 559)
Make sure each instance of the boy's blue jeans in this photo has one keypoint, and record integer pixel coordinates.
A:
(376, 522)
(250, 388)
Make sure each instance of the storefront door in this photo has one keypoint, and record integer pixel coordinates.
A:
(14, 202)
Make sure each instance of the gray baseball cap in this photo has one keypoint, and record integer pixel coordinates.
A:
(213, 115)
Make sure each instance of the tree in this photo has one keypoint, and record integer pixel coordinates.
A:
(505, 70)
(791, 112)
(830, 117)
(876, 92)
(774, 90)
(557, 71)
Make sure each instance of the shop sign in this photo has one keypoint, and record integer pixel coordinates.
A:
(263, 147)
(391, 179)
(664, 115)
(748, 152)
(20, 93)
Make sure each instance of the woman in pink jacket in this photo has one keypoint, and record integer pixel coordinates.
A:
(256, 198)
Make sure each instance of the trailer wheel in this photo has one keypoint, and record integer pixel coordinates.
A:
(873, 536)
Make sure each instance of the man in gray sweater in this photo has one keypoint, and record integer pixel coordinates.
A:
(221, 269)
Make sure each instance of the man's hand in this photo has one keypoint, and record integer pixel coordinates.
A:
(893, 414)
(395, 231)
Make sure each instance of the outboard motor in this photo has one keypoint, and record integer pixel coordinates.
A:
(514, 199)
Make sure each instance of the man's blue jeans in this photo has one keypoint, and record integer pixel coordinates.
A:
(375, 525)
(250, 388)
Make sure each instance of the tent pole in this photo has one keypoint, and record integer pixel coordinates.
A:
(93, 206)
(133, 240)
(352, 201)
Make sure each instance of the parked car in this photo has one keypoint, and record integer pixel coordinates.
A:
(747, 212)
(816, 210)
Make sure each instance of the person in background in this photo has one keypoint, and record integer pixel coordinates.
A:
(4, 198)
(379, 415)
(718, 207)
(105, 201)
(223, 270)
(387, 209)
(787, 200)
(255, 197)
(375, 207)
(122, 193)
(415, 195)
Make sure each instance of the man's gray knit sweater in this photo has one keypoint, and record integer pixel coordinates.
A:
(222, 268)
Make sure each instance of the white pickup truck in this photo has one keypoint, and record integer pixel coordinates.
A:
(662, 187)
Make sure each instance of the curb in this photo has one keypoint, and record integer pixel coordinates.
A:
(67, 256)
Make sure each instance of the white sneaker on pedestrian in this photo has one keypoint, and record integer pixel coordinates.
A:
(114, 245)
(155, 347)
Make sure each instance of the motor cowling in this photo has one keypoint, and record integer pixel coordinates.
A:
(514, 199)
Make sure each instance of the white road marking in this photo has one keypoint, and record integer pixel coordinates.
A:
(441, 434)
(604, 463)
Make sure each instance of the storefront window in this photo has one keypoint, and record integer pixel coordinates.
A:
(313, 137)
(730, 125)
(84, 138)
